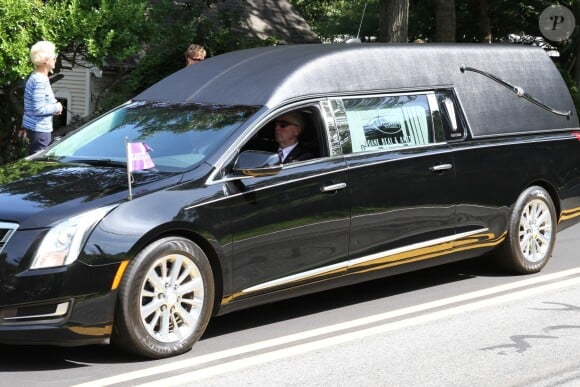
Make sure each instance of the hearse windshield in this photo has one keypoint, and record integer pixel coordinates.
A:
(178, 136)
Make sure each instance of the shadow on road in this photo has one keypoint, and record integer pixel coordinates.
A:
(350, 295)
(46, 358)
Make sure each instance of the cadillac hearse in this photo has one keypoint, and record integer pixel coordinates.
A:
(420, 155)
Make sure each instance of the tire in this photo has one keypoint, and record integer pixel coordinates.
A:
(531, 233)
(151, 321)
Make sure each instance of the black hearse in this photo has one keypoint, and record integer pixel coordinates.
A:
(421, 155)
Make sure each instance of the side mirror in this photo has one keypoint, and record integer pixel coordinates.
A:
(257, 163)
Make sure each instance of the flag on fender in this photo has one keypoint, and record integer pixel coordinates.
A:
(138, 156)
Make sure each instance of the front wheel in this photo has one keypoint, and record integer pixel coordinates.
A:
(165, 299)
(531, 232)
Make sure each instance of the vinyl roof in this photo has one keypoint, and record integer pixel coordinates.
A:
(272, 76)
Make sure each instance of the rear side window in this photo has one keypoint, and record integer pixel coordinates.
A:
(449, 117)
(384, 123)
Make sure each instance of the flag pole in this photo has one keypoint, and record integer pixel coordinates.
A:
(128, 167)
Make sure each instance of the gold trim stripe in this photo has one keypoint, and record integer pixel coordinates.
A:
(413, 253)
(92, 331)
(569, 214)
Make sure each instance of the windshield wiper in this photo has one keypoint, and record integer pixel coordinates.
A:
(99, 162)
(45, 158)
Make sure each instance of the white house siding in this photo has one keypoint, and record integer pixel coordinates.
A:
(99, 85)
(75, 86)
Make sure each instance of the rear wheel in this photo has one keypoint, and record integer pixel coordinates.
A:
(531, 232)
(165, 299)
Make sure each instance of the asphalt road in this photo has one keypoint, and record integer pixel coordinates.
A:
(454, 325)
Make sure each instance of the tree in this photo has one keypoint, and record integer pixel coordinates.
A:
(483, 23)
(336, 19)
(445, 19)
(82, 30)
(574, 68)
(144, 38)
(393, 21)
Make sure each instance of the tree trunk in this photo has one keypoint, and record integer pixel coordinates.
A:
(393, 21)
(483, 24)
(576, 74)
(445, 21)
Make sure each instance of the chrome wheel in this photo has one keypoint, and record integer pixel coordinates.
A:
(165, 299)
(531, 232)
(172, 297)
(535, 230)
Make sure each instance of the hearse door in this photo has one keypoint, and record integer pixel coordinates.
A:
(402, 181)
(291, 228)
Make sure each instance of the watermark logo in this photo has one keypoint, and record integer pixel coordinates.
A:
(557, 23)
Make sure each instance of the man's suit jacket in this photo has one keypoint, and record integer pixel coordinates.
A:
(299, 153)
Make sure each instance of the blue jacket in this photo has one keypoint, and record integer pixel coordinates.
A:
(39, 104)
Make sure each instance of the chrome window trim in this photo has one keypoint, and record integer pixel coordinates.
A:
(462, 122)
(333, 138)
(281, 183)
(429, 95)
(224, 180)
(537, 138)
(437, 124)
(331, 127)
(443, 150)
(527, 134)
(252, 129)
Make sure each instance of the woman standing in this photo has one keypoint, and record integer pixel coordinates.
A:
(39, 101)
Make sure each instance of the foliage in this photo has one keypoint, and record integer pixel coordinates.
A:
(82, 30)
(191, 22)
(333, 18)
(143, 40)
(336, 19)
(572, 86)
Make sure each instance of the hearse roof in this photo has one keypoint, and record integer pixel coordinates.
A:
(271, 76)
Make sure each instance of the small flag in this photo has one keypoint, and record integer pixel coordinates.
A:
(138, 157)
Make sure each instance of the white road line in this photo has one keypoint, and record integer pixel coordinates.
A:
(236, 365)
(299, 348)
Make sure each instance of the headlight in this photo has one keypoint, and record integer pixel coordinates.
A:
(62, 244)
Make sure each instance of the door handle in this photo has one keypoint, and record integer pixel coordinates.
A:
(333, 187)
(440, 167)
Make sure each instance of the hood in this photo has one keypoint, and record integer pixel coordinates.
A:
(37, 193)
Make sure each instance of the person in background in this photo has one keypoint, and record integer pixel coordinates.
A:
(39, 101)
(194, 54)
(288, 128)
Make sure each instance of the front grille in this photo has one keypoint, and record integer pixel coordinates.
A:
(6, 232)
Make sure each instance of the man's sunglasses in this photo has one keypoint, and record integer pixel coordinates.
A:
(283, 123)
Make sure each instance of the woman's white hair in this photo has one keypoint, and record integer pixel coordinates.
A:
(40, 51)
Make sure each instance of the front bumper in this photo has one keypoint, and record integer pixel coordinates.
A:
(64, 322)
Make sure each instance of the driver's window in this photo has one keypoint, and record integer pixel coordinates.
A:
(294, 134)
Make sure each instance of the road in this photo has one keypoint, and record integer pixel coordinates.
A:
(454, 325)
